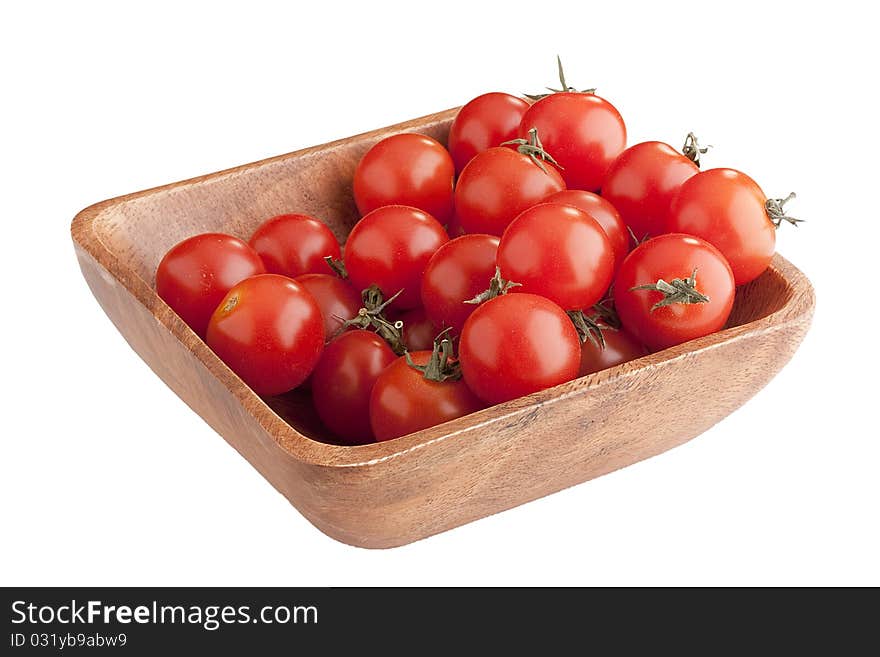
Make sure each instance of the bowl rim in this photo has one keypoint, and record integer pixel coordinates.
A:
(86, 234)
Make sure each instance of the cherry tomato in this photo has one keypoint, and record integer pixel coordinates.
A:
(343, 380)
(196, 274)
(582, 131)
(294, 244)
(497, 185)
(603, 212)
(517, 344)
(268, 330)
(673, 258)
(642, 183)
(486, 121)
(337, 300)
(620, 347)
(406, 169)
(459, 270)
(727, 209)
(390, 248)
(404, 401)
(559, 252)
(418, 330)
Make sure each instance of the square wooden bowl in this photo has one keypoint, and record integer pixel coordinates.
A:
(392, 493)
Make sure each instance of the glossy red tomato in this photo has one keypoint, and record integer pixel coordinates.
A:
(343, 380)
(642, 183)
(196, 274)
(269, 331)
(337, 300)
(517, 344)
(295, 244)
(486, 121)
(582, 131)
(603, 212)
(559, 252)
(620, 347)
(404, 401)
(459, 270)
(497, 185)
(673, 258)
(418, 330)
(727, 208)
(406, 169)
(390, 248)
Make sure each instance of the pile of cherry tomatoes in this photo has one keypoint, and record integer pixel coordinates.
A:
(533, 249)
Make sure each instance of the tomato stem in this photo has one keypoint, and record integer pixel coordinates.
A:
(371, 316)
(776, 211)
(337, 266)
(442, 366)
(636, 241)
(587, 327)
(605, 312)
(679, 290)
(565, 88)
(692, 149)
(497, 287)
(533, 148)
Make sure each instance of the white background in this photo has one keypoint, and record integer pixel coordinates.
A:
(106, 478)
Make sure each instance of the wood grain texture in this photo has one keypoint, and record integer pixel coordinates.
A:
(392, 493)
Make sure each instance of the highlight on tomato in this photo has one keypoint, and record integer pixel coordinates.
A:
(604, 213)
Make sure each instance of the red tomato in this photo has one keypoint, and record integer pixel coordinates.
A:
(673, 258)
(727, 209)
(459, 270)
(582, 131)
(642, 183)
(337, 300)
(269, 331)
(559, 252)
(497, 185)
(418, 330)
(343, 380)
(404, 401)
(295, 244)
(486, 121)
(620, 347)
(390, 248)
(517, 344)
(196, 274)
(603, 212)
(407, 169)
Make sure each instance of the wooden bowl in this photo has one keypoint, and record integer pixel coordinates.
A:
(392, 493)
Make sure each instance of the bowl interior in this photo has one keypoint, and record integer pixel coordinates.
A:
(139, 229)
